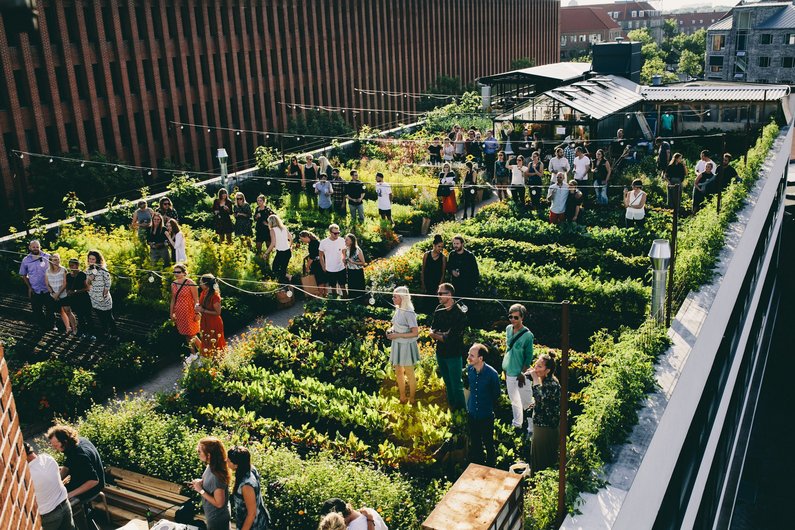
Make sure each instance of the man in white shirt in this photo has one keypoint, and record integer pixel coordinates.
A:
(361, 519)
(331, 258)
(384, 193)
(701, 165)
(559, 163)
(582, 166)
(557, 195)
(51, 496)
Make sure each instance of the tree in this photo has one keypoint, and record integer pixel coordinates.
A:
(655, 66)
(670, 28)
(691, 64)
(522, 62)
(641, 35)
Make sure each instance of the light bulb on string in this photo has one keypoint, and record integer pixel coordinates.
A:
(289, 293)
(371, 301)
(238, 133)
(116, 168)
(151, 278)
(464, 308)
(21, 155)
(268, 183)
(51, 161)
(181, 127)
(82, 164)
(149, 172)
(208, 130)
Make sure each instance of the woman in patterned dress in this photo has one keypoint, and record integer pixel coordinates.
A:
(184, 298)
(403, 334)
(212, 326)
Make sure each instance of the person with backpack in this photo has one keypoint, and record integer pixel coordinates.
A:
(518, 358)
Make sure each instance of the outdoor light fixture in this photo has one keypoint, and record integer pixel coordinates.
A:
(223, 158)
(660, 256)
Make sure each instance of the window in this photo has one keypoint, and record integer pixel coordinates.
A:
(744, 20)
(788, 62)
(715, 63)
(115, 76)
(742, 41)
(582, 38)
(563, 40)
(765, 38)
(132, 76)
(718, 43)
(99, 86)
(789, 38)
(634, 14)
(640, 14)
(764, 62)
(42, 83)
(149, 75)
(22, 88)
(82, 82)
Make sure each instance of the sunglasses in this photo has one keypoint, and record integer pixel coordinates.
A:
(336, 233)
(440, 293)
(514, 317)
(179, 272)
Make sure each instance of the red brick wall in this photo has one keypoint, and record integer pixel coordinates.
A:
(304, 51)
(18, 510)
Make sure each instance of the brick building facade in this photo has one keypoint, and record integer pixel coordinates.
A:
(108, 76)
(18, 510)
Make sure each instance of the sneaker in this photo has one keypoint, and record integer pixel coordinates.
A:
(190, 359)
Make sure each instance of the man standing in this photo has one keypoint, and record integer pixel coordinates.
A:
(324, 190)
(490, 148)
(33, 270)
(518, 358)
(484, 391)
(701, 165)
(331, 258)
(582, 166)
(384, 193)
(447, 329)
(463, 267)
(559, 163)
(54, 507)
(726, 174)
(354, 191)
(663, 155)
(557, 195)
(338, 196)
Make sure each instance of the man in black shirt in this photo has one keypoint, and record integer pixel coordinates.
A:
(726, 174)
(77, 298)
(463, 267)
(82, 463)
(354, 190)
(338, 197)
(447, 329)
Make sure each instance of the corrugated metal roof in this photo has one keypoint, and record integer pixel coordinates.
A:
(722, 25)
(737, 92)
(597, 97)
(784, 18)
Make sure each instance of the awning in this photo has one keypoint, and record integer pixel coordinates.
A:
(714, 92)
(597, 97)
(562, 72)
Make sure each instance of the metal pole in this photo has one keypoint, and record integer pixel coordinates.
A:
(674, 232)
(564, 407)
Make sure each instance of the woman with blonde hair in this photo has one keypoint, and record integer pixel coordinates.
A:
(214, 484)
(55, 278)
(332, 521)
(404, 353)
(282, 241)
(242, 212)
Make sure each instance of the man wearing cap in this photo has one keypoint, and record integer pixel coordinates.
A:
(361, 519)
(51, 496)
(33, 270)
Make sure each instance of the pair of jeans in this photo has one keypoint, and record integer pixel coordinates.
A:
(59, 519)
(280, 263)
(43, 307)
(481, 436)
(357, 210)
(601, 191)
(451, 375)
(518, 194)
(106, 321)
(521, 398)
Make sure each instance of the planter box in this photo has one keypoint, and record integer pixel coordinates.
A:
(482, 498)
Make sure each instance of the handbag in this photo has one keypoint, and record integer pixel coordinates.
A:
(309, 283)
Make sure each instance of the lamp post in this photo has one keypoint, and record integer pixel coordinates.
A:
(223, 158)
(660, 255)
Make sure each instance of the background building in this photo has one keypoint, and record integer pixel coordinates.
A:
(689, 23)
(582, 25)
(109, 76)
(635, 15)
(754, 43)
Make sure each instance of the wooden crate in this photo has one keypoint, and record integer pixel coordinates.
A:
(482, 498)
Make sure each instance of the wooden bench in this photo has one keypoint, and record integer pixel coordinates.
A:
(132, 495)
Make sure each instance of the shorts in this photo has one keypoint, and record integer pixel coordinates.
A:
(556, 218)
(385, 213)
(335, 278)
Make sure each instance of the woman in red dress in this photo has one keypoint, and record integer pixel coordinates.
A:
(184, 298)
(209, 306)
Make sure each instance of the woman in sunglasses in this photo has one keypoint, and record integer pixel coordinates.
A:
(184, 299)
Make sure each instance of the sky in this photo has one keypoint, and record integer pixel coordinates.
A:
(668, 5)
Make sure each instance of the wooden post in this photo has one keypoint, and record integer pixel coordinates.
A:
(674, 232)
(564, 407)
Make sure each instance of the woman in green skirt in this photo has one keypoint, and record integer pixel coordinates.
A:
(546, 414)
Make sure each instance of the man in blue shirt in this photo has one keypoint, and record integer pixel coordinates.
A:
(33, 271)
(484, 391)
(490, 148)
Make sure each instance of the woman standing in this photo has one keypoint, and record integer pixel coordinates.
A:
(308, 178)
(445, 191)
(249, 508)
(460, 145)
(434, 264)
(435, 151)
(312, 264)
(502, 176)
(184, 299)
(177, 241)
(211, 325)
(574, 203)
(353, 258)
(282, 241)
(77, 298)
(262, 232)
(518, 173)
(601, 176)
(546, 414)
(469, 190)
(635, 203)
(156, 238)
(404, 353)
(99, 292)
(242, 213)
(675, 176)
(535, 174)
(448, 151)
(214, 484)
(166, 209)
(222, 210)
(142, 220)
(295, 176)
(55, 278)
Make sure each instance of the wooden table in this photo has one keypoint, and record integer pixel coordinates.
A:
(482, 498)
(135, 524)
